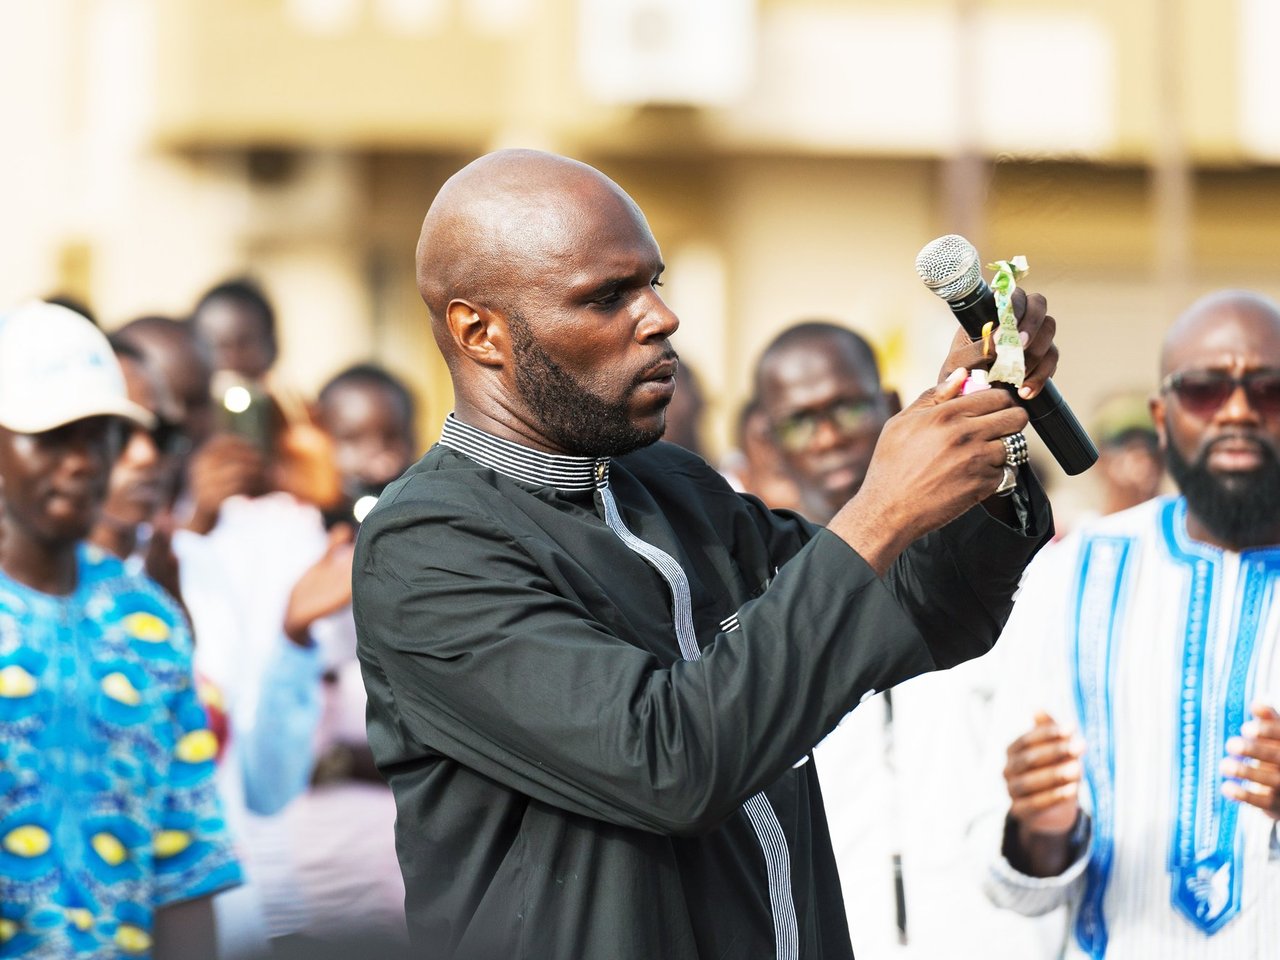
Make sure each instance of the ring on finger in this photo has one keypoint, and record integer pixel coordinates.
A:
(1015, 450)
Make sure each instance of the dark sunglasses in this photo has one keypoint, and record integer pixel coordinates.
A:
(1203, 392)
(168, 437)
(796, 431)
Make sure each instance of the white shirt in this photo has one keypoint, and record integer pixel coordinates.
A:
(1154, 647)
(913, 788)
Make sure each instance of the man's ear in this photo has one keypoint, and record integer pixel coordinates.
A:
(480, 333)
(1157, 408)
(892, 403)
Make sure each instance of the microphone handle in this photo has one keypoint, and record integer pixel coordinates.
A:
(1052, 419)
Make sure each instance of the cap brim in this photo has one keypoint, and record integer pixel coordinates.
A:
(41, 421)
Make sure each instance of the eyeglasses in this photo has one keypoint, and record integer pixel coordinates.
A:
(1203, 392)
(796, 431)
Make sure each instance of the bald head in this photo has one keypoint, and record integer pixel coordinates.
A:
(500, 221)
(541, 277)
(1212, 323)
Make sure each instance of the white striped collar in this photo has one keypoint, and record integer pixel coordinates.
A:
(523, 463)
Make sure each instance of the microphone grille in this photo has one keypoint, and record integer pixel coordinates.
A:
(949, 267)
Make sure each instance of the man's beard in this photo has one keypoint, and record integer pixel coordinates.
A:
(575, 419)
(1242, 509)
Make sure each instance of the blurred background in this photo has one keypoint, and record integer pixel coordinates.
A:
(792, 157)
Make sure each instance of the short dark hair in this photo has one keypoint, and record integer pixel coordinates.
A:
(122, 346)
(247, 293)
(375, 376)
(808, 332)
(153, 323)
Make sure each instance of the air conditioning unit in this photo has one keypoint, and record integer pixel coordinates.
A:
(697, 53)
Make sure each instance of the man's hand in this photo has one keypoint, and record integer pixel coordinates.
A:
(943, 454)
(1043, 775)
(324, 589)
(224, 466)
(1253, 762)
(933, 461)
(1039, 351)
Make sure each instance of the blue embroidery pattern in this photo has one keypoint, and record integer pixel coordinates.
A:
(1101, 590)
(1204, 862)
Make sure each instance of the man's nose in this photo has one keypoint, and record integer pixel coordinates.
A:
(141, 449)
(659, 322)
(1237, 408)
(826, 434)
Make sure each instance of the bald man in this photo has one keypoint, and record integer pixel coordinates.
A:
(1147, 793)
(595, 672)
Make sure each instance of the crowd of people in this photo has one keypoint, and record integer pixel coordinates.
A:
(275, 684)
(181, 711)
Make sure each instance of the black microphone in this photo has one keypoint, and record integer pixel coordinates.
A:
(949, 267)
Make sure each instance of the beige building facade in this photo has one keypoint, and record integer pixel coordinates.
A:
(792, 156)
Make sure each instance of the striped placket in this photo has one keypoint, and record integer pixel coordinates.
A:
(764, 821)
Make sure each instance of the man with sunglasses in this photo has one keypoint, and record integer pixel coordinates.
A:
(1150, 803)
(138, 492)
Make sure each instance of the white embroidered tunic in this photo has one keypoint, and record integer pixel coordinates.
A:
(1154, 646)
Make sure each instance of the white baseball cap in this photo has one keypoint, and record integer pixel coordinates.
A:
(55, 368)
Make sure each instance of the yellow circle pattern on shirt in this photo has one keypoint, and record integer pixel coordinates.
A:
(119, 688)
(133, 940)
(197, 747)
(28, 841)
(109, 848)
(170, 843)
(147, 627)
(16, 682)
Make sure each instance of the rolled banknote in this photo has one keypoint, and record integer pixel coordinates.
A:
(1009, 365)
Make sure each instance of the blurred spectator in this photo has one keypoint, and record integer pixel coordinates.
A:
(237, 324)
(368, 416)
(1130, 465)
(908, 878)
(241, 551)
(341, 831)
(170, 349)
(684, 412)
(127, 526)
(113, 838)
(267, 440)
(819, 388)
(270, 594)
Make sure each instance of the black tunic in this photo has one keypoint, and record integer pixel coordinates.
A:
(568, 786)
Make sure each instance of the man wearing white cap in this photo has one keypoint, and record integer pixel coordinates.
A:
(111, 833)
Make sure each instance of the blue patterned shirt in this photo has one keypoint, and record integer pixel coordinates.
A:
(108, 809)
